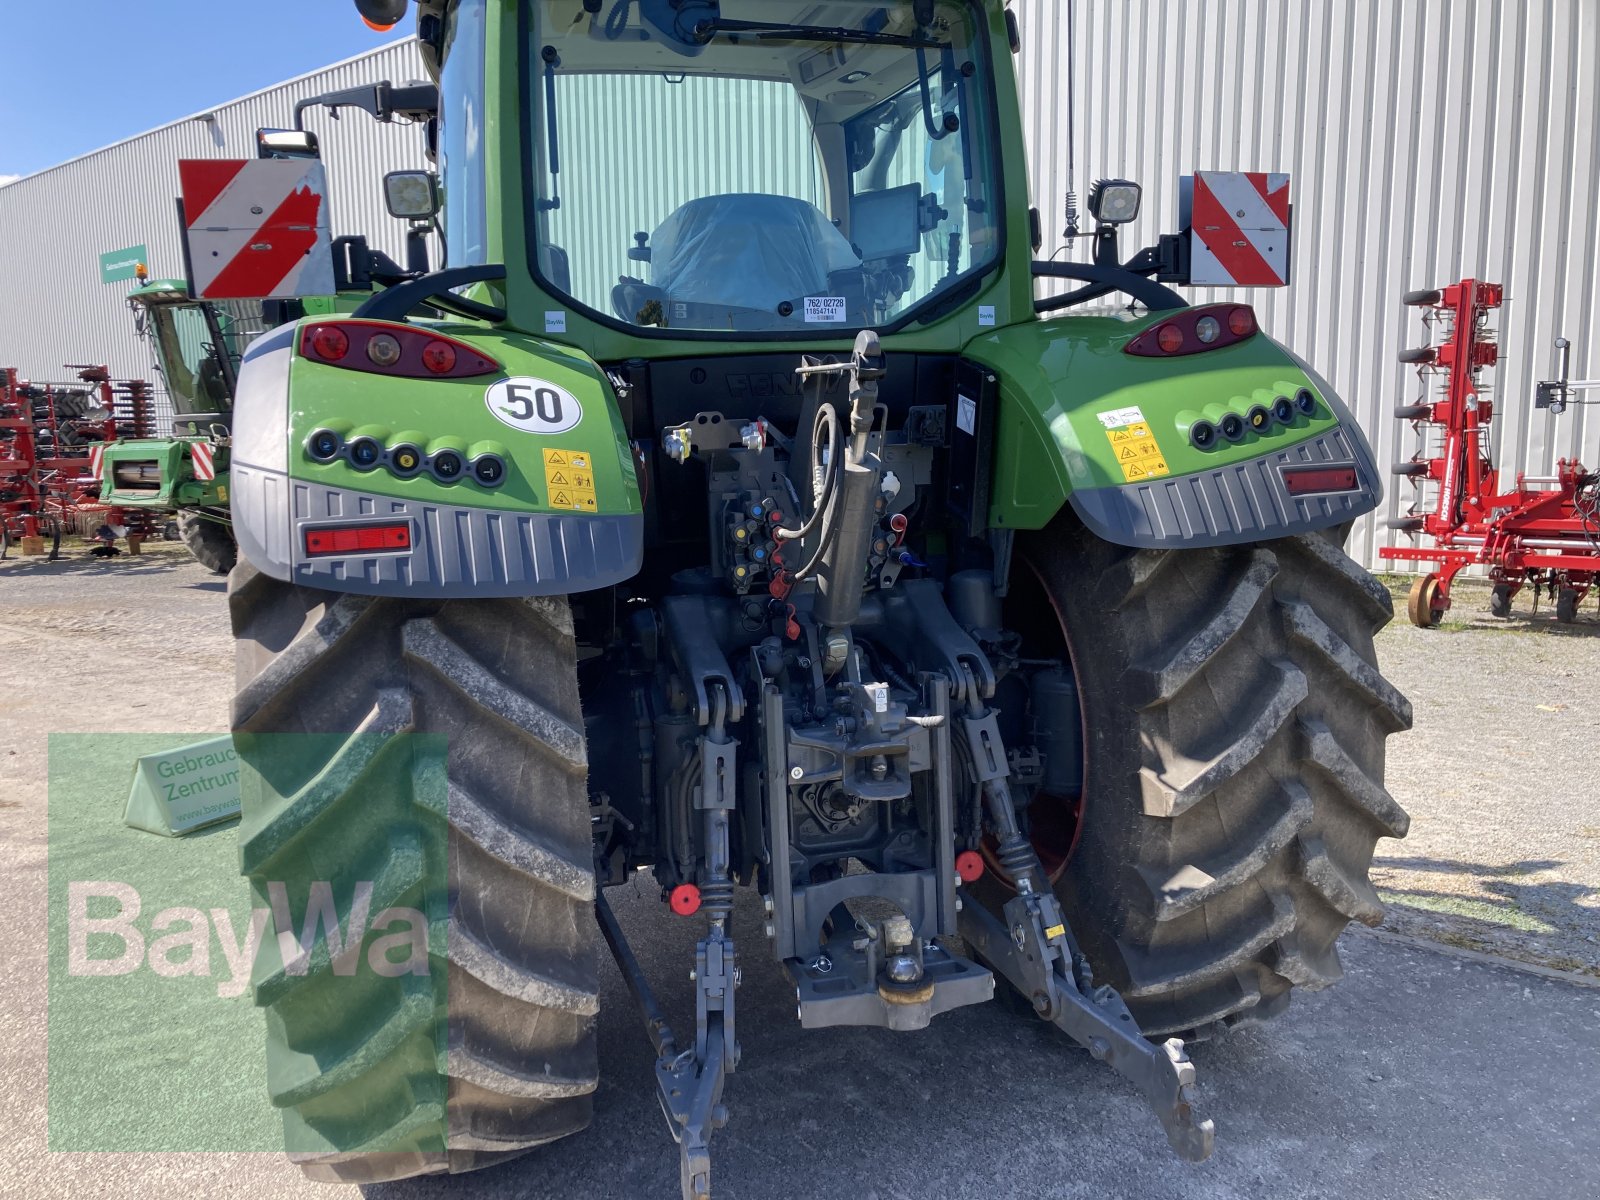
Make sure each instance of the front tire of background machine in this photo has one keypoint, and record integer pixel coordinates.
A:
(1234, 723)
(508, 1061)
(210, 541)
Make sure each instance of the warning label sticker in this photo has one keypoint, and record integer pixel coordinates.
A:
(1136, 449)
(569, 479)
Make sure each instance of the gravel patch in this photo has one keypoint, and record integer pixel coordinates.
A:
(1499, 775)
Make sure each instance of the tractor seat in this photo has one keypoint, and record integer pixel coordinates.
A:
(747, 250)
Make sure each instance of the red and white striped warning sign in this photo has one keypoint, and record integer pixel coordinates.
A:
(1239, 222)
(97, 468)
(200, 453)
(257, 228)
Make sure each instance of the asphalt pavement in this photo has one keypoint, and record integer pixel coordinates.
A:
(1420, 1075)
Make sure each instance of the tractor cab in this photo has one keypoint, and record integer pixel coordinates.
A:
(792, 169)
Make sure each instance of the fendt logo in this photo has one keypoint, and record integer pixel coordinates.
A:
(762, 385)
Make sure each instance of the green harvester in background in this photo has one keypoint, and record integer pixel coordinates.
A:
(197, 345)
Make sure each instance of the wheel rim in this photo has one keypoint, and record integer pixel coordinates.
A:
(1422, 605)
(1055, 822)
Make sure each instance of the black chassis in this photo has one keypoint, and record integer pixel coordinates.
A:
(829, 737)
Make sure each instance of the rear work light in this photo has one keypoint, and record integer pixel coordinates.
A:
(385, 348)
(1195, 330)
(327, 540)
(1307, 481)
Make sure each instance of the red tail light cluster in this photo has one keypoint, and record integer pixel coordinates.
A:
(384, 348)
(1195, 330)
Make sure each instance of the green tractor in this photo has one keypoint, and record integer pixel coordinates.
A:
(198, 345)
(730, 508)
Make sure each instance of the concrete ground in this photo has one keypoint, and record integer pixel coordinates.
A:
(1423, 1074)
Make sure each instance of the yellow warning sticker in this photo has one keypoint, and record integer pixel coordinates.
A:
(569, 480)
(1137, 451)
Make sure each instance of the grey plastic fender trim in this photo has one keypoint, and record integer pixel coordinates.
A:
(1241, 502)
(457, 552)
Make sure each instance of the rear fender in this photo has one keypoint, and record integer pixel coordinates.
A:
(1079, 421)
(564, 517)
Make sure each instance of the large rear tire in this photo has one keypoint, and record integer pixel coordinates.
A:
(1234, 723)
(502, 1057)
(209, 540)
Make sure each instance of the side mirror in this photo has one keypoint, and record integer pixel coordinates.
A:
(381, 14)
(286, 143)
(411, 195)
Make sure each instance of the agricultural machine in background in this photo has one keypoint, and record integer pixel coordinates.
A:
(731, 507)
(1543, 531)
(52, 439)
(198, 345)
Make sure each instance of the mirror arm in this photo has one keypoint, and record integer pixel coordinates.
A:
(1103, 279)
(395, 303)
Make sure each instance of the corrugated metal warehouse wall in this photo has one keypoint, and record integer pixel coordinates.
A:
(55, 225)
(1427, 139)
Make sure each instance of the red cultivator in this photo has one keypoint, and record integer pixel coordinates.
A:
(1543, 531)
(50, 438)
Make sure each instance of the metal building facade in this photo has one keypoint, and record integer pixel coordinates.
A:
(1427, 140)
(54, 225)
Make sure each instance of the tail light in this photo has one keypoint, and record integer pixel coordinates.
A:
(1195, 330)
(322, 541)
(384, 348)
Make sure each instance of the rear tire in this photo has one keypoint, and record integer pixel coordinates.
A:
(1234, 725)
(209, 540)
(503, 1057)
(1567, 605)
(1500, 600)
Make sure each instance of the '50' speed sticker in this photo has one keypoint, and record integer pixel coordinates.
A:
(533, 405)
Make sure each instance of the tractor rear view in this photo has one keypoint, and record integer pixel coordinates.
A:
(729, 509)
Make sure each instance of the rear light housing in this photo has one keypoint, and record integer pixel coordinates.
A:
(327, 541)
(370, 346)
(1195, 330)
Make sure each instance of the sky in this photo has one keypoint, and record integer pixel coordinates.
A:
(81, 74)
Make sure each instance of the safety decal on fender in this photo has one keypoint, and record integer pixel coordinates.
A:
(533, 405)
(569, 479)
(1136, 449)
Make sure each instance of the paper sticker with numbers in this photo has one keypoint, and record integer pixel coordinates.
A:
(825, 310)
(533, 405)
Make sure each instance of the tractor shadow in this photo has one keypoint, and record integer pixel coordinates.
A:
(1552, 922)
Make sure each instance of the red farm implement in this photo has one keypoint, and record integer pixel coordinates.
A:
(50, 440)
(1542, 531)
